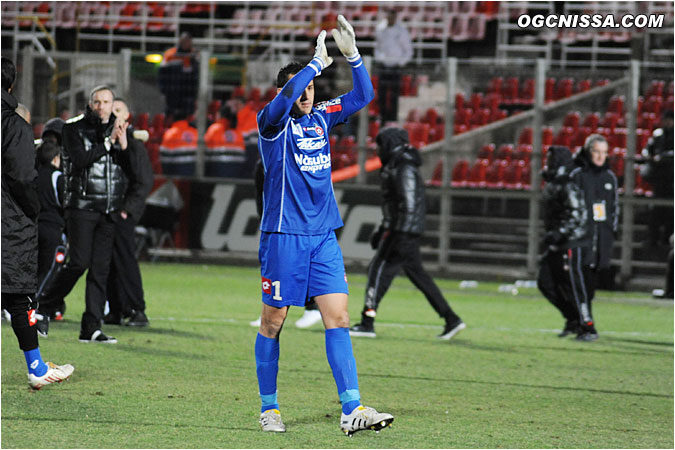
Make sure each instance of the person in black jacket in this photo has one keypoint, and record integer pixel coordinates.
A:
(125, 285)
(397, 240)
(600, 188)
(20, 207)
(562, 274)
(95, 152)
(51, 223)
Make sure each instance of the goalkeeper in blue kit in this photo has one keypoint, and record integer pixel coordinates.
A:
(299, 254)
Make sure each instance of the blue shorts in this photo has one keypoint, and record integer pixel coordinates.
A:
(296, 267)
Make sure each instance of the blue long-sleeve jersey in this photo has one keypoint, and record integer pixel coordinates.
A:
(298, 195)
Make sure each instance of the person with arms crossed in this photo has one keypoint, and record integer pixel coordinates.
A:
(20, 208)
(299, 254)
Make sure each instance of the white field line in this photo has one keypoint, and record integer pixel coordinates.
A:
(430, 327)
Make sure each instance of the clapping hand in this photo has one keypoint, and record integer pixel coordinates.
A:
(345, 38)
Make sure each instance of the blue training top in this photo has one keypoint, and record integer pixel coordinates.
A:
(298, 195)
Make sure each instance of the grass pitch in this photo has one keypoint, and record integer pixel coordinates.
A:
(507, 381)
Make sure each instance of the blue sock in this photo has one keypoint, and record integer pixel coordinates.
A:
(267, 367)
(36, 365)
(343, 365)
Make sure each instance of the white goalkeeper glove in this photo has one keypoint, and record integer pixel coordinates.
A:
(345, 38)
(321, 52)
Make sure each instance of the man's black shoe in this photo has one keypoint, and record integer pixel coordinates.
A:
(362, 330)
(42, 324)
(571, 327)
(138, 319)
(98, 337)
(112, 319)
(588, 336)
(451, 329)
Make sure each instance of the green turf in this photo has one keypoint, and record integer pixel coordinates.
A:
(188, 381)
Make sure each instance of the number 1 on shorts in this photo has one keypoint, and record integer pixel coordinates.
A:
(277, 290)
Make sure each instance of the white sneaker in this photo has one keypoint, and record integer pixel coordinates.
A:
(270, 420)
(255, 323)
(309, 318)
(364, 418)
(54, 374)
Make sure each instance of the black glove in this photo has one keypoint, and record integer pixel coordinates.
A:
(375, 237)
(553, 237)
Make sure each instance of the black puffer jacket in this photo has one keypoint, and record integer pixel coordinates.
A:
(404, 206)
(599, 186)
(565, 213)
(95, 180)
(20, 203)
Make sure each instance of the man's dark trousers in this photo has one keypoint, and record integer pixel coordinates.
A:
(403, 250)
(90, 234)
(125, 286)
(388, 87)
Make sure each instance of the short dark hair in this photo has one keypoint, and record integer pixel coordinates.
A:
(46, 152)
(289, 69)
(101, 87)
(8, 74)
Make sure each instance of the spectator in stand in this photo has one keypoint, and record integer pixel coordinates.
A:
(20, 207)
(562, 274)
(95, 154)
(393, 50)
(125, 285)
(658, 171)
(397, 240)
(52, 131)
(600, 188)
(51, 223)
(178, 78)
(178, 150)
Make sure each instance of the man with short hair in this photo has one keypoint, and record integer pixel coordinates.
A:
(299, 254)
(20, 208)
(178, 78)
(600, 188)
(95, 152)
(125, 285)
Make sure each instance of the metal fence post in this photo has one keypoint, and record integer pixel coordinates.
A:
(362, 133)
(535, 167)
(446, 205)
(124, 76)
(26, 92)
(629, 173)
(202, 106)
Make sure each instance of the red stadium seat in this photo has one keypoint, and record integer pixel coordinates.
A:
(487, 151)
(505, 152)
(616, 105)
(527, 92)
(547, 136)
(142, 121)
(525, 136)
(592, 121)
(460, 174)
(476, 101)
(572, 119)
(478, 173)
(459, 101)
(523, 153)
(437, 132)
(494, 175)
(513, 175)
(549, 90)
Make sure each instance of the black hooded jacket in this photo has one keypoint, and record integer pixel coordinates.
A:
(404, 205)
(95, 180)
(20, 203)
(599, 185)
(565, 212)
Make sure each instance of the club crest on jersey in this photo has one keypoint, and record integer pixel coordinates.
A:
(315, 128)
(266, 285)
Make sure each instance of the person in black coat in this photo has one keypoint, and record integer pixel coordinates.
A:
(397, 240)
(600, 188)
(20, 207)
(51, 223)
(125, 285)
(95, 157)
(562, 277)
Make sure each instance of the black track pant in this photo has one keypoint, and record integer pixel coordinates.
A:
(90, 235)
(125, 286)
(565, 282)
(50, 237)
(396, 251)
(21, 309)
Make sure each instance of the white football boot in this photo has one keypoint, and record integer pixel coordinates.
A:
(54, 374)
(364, 418)
(309, 318)
(270, 420)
